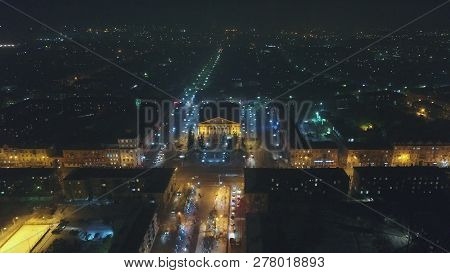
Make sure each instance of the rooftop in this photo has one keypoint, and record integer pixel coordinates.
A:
(218, 120)
(262, 180)
(20, 173)
(368, 146)
(155, 180)
(303, 144)
(400, 171)
(135, 234)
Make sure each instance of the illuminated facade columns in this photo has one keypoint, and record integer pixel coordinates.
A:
(219, 126)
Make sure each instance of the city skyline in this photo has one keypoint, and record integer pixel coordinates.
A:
(224, 133)
(345, 16)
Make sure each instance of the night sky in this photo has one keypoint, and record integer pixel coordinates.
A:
(299, 14)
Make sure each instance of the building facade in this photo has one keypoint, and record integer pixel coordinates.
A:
(25, 158)
(219, 126)
(150, 235)
(317, 183)
(314, 158)
(130, 153)
(78, 158)
(421, 154)
(89, 183)
(127, 154)
(367, 157)
(396, 182)
(29, 183)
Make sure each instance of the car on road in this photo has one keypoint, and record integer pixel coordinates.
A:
(61, 226)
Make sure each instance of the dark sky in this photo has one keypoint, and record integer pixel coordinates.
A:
(340, 14)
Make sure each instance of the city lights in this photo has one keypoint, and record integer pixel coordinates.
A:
(225, 132)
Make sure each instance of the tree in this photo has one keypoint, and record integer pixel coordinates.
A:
(191, 140)
(235, 140)
(201, 142)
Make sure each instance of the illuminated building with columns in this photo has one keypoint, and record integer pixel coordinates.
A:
(219, 126)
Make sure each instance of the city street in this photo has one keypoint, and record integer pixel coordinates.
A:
(213, 217)
(199, 215)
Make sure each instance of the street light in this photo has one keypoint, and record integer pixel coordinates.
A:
(14, 220)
